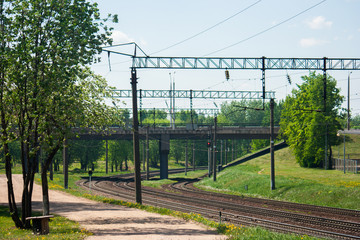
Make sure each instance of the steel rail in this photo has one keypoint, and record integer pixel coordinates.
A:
(188, 187)
(305, 219)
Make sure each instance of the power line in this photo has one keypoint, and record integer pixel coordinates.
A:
(266, 30)
(207, 29)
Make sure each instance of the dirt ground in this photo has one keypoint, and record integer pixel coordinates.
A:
(113, 222)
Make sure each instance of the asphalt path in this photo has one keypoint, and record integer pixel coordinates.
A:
(108, 221)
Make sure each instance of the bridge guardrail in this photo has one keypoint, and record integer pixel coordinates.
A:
(351, 165)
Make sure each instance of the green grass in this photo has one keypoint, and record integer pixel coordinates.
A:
(303, 185)
(60, 228)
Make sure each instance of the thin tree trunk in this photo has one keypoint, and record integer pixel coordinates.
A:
(45, 192)
(44, 180)
(126, 164)
(11, 196)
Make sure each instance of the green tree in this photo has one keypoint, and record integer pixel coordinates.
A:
(45, 86)
(304, 123)
(355, 122)
(119, 154)
(249, 113)
(87, 152)
(177, 149)
(154, 118)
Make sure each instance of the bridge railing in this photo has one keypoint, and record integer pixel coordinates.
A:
(351, 165)
(186, 124)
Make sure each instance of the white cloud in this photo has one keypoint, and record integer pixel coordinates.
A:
(319, 22)
(120, 37)
(350, 37)
(311, 42)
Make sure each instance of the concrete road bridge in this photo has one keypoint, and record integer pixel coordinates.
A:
(165, 134)
(188, 132)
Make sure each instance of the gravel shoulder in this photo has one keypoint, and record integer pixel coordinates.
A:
(113, 222)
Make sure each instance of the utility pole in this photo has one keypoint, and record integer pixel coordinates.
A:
(191, 110)
(226, 151)
(136, 149)
(272, 143)
(147, 153)
(144, 158)
(348, 106)
(344, 154)
(232, 149)
(193, 154)
(325, 114)
(186, 157)
(172, 100)
(221, 153)
(214, 150)
(140, 96)
(170, 95)
(209, 151)
(106, 157)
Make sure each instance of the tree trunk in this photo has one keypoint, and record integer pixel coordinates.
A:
(44, 182)
(45, 192)
(126, 164)
(26, 202)
(51, 170)
(11, 196)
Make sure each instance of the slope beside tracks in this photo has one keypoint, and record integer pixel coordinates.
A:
(257, 154)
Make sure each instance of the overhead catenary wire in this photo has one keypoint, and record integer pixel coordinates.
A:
(267, 29)
(207, 29)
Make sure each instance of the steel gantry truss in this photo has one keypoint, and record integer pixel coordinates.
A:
(201, 111)
(262, 63)
(193, 94)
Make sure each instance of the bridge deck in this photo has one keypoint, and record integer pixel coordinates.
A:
(178, 133)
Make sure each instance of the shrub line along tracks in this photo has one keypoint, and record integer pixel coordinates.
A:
(276, 215)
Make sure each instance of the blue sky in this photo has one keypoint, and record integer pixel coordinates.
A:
(329, 29)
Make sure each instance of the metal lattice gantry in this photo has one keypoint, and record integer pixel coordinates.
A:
(261, 63)
(116, 93)
(201, 111)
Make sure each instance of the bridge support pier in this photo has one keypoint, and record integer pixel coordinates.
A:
(164, 149)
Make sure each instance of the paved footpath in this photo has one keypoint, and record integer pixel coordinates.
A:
(108, 221)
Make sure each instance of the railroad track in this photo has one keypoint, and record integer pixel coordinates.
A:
(232, 212)
(339, 213)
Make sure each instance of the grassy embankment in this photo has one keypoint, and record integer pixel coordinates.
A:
(303, 185)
